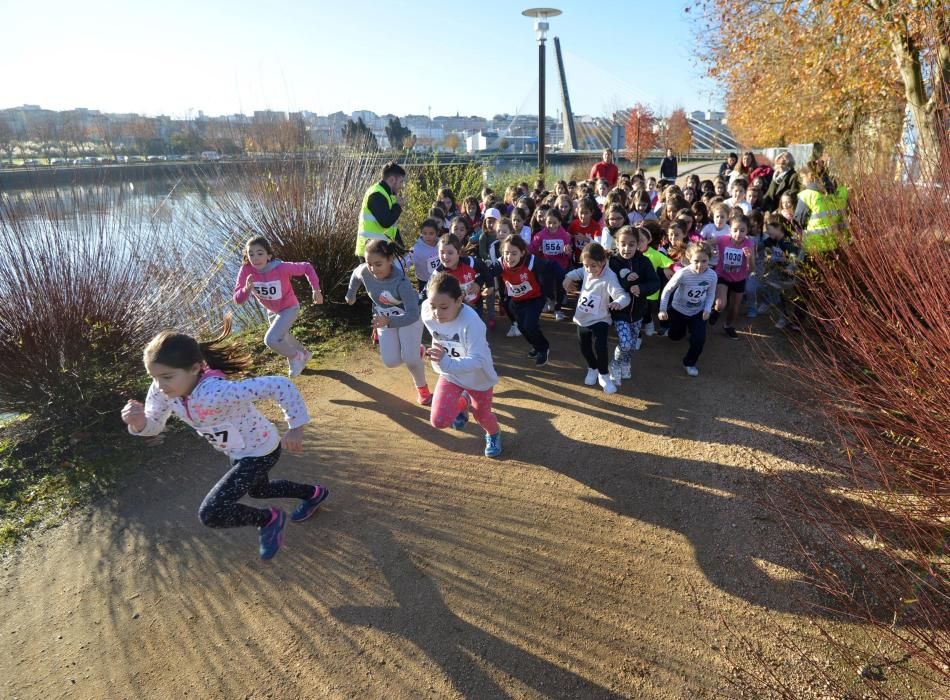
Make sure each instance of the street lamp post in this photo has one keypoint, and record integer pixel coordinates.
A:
(540, 15)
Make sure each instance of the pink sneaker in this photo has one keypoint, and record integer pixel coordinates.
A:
(424, 395)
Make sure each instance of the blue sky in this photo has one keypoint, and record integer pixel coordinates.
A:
(177, 56)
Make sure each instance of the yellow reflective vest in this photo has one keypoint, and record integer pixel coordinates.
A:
(826, 221)
(368, 227)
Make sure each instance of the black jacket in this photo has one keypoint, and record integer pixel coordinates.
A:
(773, 195)
(668, 168)
(648, 281)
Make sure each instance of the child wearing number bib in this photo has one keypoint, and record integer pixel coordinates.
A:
(269, 280)
(189, 380)
(600, 293)
(395, 311)
(525, 278)
(469, 271)
(461, 357)
(425, 254)
(692, 290)
(736, 260)
(553, 244)
(639, 279)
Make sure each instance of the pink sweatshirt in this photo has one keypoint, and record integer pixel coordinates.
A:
(735, 259)
(272, 285)
(552, 246)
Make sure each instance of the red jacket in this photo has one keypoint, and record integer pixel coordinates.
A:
(605, 171)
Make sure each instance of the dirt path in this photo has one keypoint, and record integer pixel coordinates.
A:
(572, 567)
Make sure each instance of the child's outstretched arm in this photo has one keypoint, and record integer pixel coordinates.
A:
(284, 393)
(306, 269)
(356, 280)
(244, 285)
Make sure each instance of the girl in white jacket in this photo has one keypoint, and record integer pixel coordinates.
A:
(461, 357)
(600, 294)
(189, 379)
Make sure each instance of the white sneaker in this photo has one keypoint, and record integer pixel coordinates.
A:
(548, 306)
(513, 332)
(591, 377)
(648, 329)
(692, 371)
(617, 353)
(560, 316)
(604, 381)
(625, 372)
(297, 363)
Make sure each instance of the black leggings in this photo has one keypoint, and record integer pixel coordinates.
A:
(594, 335)
(247, 475)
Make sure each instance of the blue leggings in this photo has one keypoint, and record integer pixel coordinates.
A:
(627, 333)
(248, 475)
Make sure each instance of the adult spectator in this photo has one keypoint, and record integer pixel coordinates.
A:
(668, 168)
(822, 207)
(726, 168)
(606, 169)
(784, 179)
(382, 205)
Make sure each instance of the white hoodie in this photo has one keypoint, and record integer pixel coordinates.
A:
(467, 361)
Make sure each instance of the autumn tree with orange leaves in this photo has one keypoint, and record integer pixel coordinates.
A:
(638, 130)
(842, 72)
(679, 133)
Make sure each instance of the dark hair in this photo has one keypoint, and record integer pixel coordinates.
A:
(618, 208)
(553, 211)
(656, 232)
(775, 219)
(518, 242)
(462, 221)
(430, 223)
(452, 240)
(174, 349)
(380, 246)
(525, 216)
(437, 212)
(393, 168)
(595, 252)
(256, 240)
(742, 182)
(444, 283)
(757, 217)
(741, 218)
(700, 212)
(626, 230)
(446, 193)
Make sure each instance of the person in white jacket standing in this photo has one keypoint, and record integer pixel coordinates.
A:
(600, 293)
(190, 381)
(461, 357)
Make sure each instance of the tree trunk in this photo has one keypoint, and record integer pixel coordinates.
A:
(923, 109)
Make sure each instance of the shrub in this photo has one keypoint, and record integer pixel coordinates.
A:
(84, 284)
(422, 188)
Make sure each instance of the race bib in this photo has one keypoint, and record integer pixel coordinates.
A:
(696, 296)
(433, 263)
(268, 290)
(517, 290)
(389, 311)
(587, 304)
(552, 246)
(224, 437)
(732, 259)
(452, 348)
(470, 291)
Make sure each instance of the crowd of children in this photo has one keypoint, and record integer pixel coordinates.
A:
(643, 257)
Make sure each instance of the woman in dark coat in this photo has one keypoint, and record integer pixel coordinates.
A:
(784, 179)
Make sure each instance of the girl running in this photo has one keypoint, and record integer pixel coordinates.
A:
(600, 293)
(583, 229)
(639, 279)
(190, 380)
(526, 277)
(691, 290)
(425, 253)
(461, 357)
(269, 280)
(395, 311)
(553, 244)
(471, 272)
(736, 258)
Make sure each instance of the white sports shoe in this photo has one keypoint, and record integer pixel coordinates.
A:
(297, 363)
(625, 372)
(513, 332)
(692, 371)
(591, 377)
(560, 316)
(548, 306)
(648, 329)
(609, 386)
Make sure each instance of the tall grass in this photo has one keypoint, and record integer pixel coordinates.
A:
(84, 284)
(422, 188)
(873, 365)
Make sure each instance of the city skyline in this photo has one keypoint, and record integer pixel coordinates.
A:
(420, 58)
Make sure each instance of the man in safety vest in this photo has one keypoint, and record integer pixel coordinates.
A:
(821, 209)
(382, 205)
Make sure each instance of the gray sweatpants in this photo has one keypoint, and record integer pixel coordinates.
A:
(398, 345)
(278, 337)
